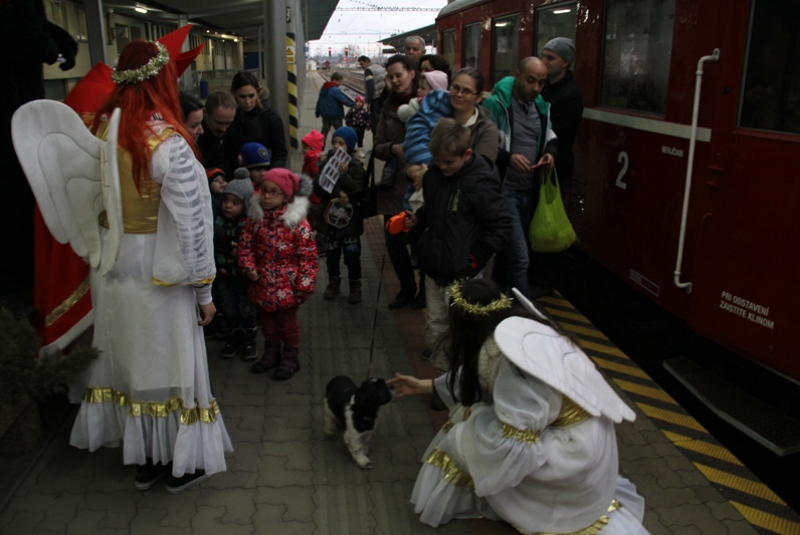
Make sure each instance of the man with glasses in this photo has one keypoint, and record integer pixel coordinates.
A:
(218, 114)
(527, 143)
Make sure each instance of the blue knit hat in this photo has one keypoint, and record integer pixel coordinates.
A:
(349, 136)
(255, 155)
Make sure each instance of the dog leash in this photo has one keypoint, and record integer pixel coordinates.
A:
(375, 316)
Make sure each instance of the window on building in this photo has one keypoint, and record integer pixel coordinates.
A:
(472, 45)
(771, 89)
(636, 54)
(449, 46)
(55, 12)
(556, 21)
(505, 39)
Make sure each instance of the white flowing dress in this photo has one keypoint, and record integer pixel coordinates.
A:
(149, 390)
(512, 460)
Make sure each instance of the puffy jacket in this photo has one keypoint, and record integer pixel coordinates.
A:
(499, 106)
(280, 246)
(331, 101)
(419, 126)
(260, 125)
(465, 215)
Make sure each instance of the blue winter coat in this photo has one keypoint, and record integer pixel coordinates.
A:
(433, 107)
(331, 101)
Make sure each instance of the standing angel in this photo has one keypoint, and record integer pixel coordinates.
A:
(134, 202)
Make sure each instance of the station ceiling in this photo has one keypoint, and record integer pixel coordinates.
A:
(240, 17)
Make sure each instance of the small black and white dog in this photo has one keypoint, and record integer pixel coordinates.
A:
(356, 411)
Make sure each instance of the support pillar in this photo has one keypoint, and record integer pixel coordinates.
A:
(186, 80)
(275, 56)
(96, 28)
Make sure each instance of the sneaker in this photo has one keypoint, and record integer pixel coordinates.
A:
(179, 484)
(147, 475)
(230, 349)
(249, 351)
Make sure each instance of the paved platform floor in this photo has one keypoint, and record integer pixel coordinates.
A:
(285, 477)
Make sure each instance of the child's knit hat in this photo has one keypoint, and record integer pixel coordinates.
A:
(314, 139)
(214, 173)
(436, 79)
(348, 135)
(360, 99)
(255, 155)
(284, 179)
(241, 172)
(242, 189)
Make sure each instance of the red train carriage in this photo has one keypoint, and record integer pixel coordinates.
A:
(637, 61)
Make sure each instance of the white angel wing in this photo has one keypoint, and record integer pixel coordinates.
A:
(63, 163)
(112, 195)
(545, 354)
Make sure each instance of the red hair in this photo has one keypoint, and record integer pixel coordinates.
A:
(138, 101)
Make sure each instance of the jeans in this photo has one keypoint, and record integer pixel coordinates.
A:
(511, 266)
(352, 258)
(437, 324)
(237, 309)
(329, 121)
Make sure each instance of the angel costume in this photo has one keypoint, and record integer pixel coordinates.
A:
(152, 263)
(539, 450)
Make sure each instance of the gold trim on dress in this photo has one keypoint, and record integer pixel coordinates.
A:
(159, 282)
(448, 425)
(68, 303)
(526, 436)
(452, 473)
(592, 529)
(570, 414)
(189, 415)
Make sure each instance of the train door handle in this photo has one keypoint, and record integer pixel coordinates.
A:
(717, 168)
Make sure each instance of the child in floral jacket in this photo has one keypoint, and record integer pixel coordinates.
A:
(358, 119)
(278, 254)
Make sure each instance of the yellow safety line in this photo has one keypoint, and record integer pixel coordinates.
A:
(647, 391)
(567, 315)
(621, 368)
(586, 331)
(603, 348)
(754, 488)
(767, 520)
(560, 301)
(702, 447)
(671, 417)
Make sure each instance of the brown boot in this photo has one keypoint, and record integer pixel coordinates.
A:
(333, 289)
(355, 292)
(289, 364)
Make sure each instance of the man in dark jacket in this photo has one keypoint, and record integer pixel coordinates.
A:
(566, 111)
(330, 105)
(32, 41)
(464, 220)
(218, 114)
(374, 84)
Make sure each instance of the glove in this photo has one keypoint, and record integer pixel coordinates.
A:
(67, 46)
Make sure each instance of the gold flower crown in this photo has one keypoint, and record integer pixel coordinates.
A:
(148, 70)
(501, 303)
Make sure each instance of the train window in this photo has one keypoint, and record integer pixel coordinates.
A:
(472, 45)
(557, 21)
(449, 46)
(636, 54)
(505, 38)
(55, 12)
(771, 94)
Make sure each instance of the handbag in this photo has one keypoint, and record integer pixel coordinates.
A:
(368, 200)
(550, 230)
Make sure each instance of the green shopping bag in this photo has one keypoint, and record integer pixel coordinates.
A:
(550, 230)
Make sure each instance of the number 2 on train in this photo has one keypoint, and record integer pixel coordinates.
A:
(623, 159)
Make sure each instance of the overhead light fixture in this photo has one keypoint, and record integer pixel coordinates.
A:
(560, 11)
(235, 40)
(208, 31)
(500, 24)
(139, 9)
